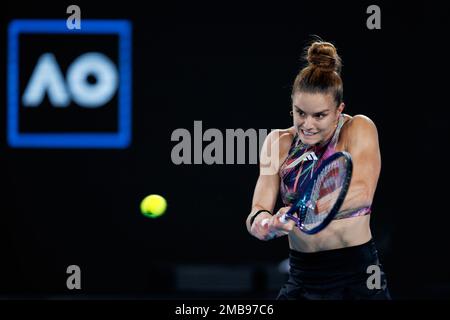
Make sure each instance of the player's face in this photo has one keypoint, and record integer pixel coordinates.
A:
(315, 116)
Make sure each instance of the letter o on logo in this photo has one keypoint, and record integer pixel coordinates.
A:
(92, 95)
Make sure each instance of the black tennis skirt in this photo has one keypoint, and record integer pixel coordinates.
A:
(341, 274)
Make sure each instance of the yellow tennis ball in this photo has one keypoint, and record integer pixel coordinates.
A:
(153, 206)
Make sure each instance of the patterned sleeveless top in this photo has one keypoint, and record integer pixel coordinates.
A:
(300, 164)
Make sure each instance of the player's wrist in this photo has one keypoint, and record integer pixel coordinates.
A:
(257, 213)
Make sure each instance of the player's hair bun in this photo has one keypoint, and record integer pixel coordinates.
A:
(323, 55)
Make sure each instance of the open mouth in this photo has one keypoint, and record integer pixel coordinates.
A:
(308, 133)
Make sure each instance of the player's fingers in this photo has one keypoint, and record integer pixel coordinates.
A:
(269, 228)
(283, 222)
(263, 229)
(260, 228)
(283, 218)
(287, 226)
(277, 226)
(281, 214)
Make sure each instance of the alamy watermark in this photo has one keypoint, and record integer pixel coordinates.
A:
(74, 280)
(374, 280)
(374, 20)
(74, 20)
(234, 146)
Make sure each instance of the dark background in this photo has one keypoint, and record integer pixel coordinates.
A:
(230, 66)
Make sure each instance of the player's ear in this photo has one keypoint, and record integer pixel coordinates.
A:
(341, 108)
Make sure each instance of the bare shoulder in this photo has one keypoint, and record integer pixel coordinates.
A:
(359, 127)
(358, 124)
(280, 140)
(361, 121)
(283, 137)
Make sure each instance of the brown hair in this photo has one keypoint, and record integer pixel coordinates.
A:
(322, 74)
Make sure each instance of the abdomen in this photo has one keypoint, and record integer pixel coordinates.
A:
(338, 234)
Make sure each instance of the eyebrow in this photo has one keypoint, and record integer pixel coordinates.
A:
(323, 111)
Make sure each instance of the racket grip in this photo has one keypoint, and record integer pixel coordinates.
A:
(264, 222)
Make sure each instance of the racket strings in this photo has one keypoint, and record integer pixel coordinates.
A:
(327, 189)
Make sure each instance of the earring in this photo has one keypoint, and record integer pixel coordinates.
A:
(291, 113)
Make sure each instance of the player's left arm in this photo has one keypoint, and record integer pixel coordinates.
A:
(361, 141)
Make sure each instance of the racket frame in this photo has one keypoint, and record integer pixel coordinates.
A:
(300, 206)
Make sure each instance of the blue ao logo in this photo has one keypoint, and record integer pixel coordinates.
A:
(69, 88)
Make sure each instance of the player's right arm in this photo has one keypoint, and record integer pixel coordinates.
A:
(273, 152)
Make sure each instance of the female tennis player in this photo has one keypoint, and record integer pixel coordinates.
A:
(334, 263)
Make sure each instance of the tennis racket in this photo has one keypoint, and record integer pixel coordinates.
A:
(323, 196)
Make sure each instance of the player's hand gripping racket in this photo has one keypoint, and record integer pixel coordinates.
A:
(323, 196)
